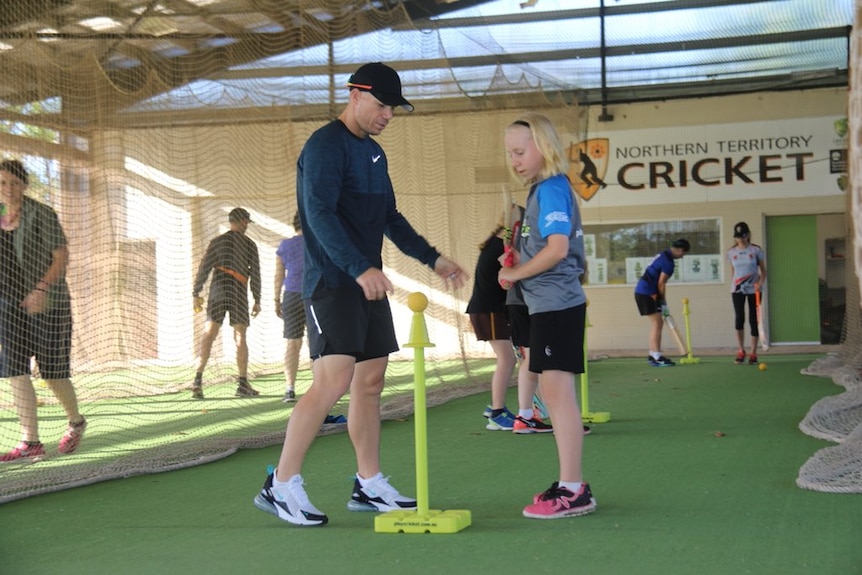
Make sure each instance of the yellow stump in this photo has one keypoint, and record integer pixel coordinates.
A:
(586, 415)
(423, 520)
(688, 358)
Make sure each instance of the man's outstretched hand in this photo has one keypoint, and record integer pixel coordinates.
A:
(453, 274)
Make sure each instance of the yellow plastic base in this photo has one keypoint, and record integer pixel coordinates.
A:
(596, 417)
(435, 521)
(689, 360)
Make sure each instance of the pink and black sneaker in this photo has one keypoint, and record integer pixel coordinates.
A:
(559, 502)
(72, 438)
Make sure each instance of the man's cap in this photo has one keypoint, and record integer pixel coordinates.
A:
(741, 230)
(382, 82)
(238, 215)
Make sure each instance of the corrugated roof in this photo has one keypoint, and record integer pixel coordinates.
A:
(172, 55)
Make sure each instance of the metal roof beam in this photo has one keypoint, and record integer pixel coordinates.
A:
(549, 55)
(528, 16)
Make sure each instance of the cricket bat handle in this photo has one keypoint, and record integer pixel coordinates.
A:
(508, 262)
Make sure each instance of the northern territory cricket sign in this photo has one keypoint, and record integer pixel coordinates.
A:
(720, 162)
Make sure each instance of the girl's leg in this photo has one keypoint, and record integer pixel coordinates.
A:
(558, 390)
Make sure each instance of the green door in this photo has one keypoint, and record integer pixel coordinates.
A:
(791, 267)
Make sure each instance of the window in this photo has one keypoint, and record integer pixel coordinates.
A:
(617, 254)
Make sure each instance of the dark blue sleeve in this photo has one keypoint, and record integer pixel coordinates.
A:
(254, 272)
(402, 234)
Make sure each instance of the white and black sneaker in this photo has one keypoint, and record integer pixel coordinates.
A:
(289, 503)
(378, 495)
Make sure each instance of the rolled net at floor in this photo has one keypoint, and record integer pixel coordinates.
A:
(838, 418)
(143, 174)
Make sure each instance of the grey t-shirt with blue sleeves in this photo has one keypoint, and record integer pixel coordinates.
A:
(551, 209)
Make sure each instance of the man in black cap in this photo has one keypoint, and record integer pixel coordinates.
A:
(233, 260)
(346, 205)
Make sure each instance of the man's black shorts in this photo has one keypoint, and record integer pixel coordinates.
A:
(343, 322)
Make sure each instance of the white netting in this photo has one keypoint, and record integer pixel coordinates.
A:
(835, 417)
(824, 366)
(835, 469)
(839, 418)
(142, 171)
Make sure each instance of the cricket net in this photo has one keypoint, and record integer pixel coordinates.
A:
(143, 168)
(838, 418)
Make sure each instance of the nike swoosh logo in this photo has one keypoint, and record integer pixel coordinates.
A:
(375, 158)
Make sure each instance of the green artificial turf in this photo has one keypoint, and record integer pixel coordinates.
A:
(694, 474)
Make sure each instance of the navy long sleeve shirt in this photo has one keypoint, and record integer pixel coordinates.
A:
(347, 205)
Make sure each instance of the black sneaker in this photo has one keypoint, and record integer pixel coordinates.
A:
(289, 504)
(246, 390)
(662, 361)
(532, 425)
(289, 396)
(378, 495)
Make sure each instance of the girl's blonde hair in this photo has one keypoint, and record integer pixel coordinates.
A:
(547, 142)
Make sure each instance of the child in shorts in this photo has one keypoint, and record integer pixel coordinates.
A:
(548, 267)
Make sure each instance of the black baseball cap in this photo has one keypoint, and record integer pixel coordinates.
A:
(238, 215)
(741, 230)
(380, 81)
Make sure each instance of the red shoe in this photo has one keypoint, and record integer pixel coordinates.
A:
(72, 437)
(752, 359)
(533, 425)
(740, 357)
(24, 449)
